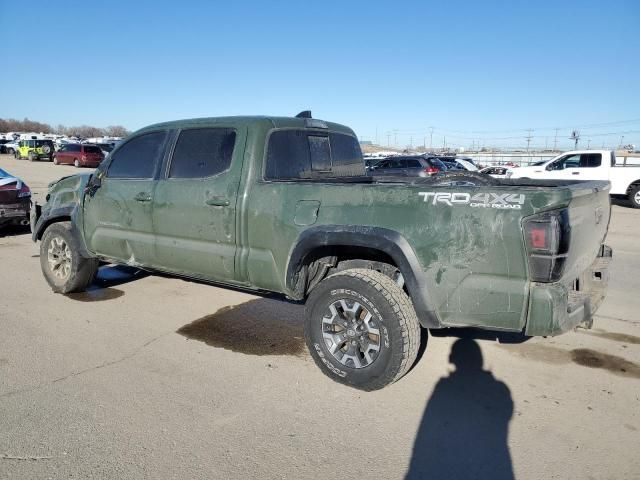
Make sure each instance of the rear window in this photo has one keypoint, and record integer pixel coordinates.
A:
(303, 154)
(92, 149)
(3, 174)
(202, 152)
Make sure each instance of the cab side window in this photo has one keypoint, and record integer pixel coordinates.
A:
(139, 157)
(590, 160)
(202, 152)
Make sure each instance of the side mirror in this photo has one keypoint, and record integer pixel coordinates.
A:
(95, 182)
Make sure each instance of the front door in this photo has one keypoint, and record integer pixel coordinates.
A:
(118, 222)
(195, 203)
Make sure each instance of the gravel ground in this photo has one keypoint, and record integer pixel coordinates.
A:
(152, 377)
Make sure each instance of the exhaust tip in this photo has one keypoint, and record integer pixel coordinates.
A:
(24, 222)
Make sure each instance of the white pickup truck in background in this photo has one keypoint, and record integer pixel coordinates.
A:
(589, 165)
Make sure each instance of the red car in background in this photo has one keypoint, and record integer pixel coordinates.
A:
(79, 154)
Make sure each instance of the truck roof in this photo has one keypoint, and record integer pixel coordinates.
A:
(248, 121)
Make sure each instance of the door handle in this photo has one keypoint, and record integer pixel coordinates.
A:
(217, 202)
(142, 197)
(575, 173)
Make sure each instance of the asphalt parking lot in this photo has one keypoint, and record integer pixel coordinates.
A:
(153, 377)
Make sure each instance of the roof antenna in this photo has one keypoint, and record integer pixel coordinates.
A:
(304, 114)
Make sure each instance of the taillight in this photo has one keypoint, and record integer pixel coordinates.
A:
(431, 170)
(24, 191)
(547, 239)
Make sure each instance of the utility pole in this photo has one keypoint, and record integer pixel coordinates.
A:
(431, 138)
(444, 143)
(555, 141)
(388, 139)
(588, 143)
(377, 135)
(621, 141)
(529, 137)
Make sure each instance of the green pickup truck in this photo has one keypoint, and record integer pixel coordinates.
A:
(279, 204)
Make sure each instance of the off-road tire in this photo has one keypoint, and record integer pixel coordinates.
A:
(76, 163)
(82, 270)
(465, 178)
(393, 314)
(32, 157)
(634, 196)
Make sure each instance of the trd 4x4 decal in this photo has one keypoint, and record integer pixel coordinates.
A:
(479, 200)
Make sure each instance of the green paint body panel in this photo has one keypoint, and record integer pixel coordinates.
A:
(472, 261)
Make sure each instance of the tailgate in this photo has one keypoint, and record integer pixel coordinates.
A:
(589, 212)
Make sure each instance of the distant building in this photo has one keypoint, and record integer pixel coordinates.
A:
(366, 142)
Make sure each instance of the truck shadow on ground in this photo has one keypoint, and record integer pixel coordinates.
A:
(263, 326)
(479, 334)
(621, 201)
(14, 230)
(465, 426)
(108, 276)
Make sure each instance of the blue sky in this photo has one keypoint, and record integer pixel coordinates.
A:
(473, 70)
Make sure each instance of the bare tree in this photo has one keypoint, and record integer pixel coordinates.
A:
(116, 131)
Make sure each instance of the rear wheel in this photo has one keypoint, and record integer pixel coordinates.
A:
(65, 270)
(361, 329)
(634, 196)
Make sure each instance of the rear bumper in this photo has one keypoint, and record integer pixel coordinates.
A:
(556, 308)
(14, 212)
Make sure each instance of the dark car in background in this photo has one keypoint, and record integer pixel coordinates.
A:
(411, 166)
(15, 200)
(79, 155)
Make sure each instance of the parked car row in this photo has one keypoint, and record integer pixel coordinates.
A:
(418, 165)
(77, 154)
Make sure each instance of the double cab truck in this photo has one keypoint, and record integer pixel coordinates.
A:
(283, 204)
(590, 165)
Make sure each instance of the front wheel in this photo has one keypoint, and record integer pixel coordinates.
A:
(634, 196)
(76, 163)
(63, 267)
(361, 329)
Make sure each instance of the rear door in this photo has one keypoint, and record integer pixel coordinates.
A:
(195, 203)
(118, 216)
